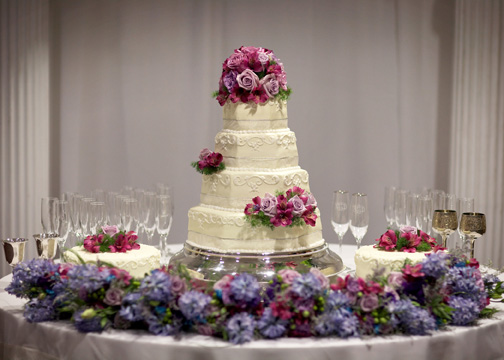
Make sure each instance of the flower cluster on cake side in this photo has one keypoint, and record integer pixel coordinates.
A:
(444, 289)
(252, 74)
(407, 239)
(209, 162)
(294, 207)
(110, 239)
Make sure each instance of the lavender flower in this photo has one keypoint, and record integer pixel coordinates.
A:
(434, 265)
(157, 287)
(37, 310)
(270, 326)
(306, 285)
(240, 328)
(31, 278)
(340, 322)
(193, 304)
(113, 296)
(157, 327)
(412, 319)
(465, 311)
(131, 308)
(245, 290)
(87, 278)
(86, 320)
(335, 300)
(230, 80)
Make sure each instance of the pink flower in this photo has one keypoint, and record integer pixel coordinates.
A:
(296, 190)
(412, 238)
(237, 61)
(253, 208)
(320, 277)
(395, 279)
(412, 272)
(280, 310)
(309, 216)
(113, 296)
(263, 57)
(391, 292)
(368, 302)
(269, 205)
(204, 153)
(270, 85)
(388, 240)
(178, 286)
(247, 79)
(110, 230)
(288, 275)
(224, 286)
(473, 263)
(408, 229)
(298, 207)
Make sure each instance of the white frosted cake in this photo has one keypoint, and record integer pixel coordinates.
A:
(137, 262)
(368, 258)
(261, 156)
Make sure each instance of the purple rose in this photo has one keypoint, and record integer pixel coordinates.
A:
(324, 282)
(269, 205)
(288, 275)
(311, 200)
(110, 230)
(204, 153)
(353, 285)
(395, 279)
(263, 57)
(270, 85)
(230, 80)
(368, 302)
(248, 80)
(298, 207)
(408, 230)
(178, 286)
(113, 296)
(236, 60)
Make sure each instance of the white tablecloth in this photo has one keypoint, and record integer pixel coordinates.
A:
(59, 340)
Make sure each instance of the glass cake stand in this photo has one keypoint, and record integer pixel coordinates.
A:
(211, 266)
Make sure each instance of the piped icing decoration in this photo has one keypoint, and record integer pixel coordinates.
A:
(110, 239)
(407, 239)
(295, 207)
(252, 74)
(209, 162)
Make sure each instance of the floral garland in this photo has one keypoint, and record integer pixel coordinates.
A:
(444, 289)
(295, 207)
(110, 239)
(209, 162)
(407, 239)
(252, 74)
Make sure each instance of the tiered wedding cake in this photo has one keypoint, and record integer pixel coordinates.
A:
(261, 177)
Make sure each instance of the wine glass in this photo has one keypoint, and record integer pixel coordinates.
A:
(64, 224)
(129, 214)
(388, 205)
(84, 215)
(75, 213)
(340, 217)
(148, 215)
(473, 226)
(424, 214)
(444, 223)
(411, 209)
(359, 217)
(400, 201)
(97, 216)
(464, 205)
(164, 217)
(48, 215)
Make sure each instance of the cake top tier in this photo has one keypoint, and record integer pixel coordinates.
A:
(252, 74)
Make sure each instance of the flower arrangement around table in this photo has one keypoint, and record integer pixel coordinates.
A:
(209, 162)
(295, 207)
(444, 289)
(407, 239)
(252, 74)
(110, 239)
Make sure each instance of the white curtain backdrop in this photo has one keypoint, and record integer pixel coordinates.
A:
(371, 106)
(24, 118)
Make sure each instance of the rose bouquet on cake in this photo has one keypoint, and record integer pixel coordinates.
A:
(110, 239)
(209, 162)
(407, 239)
(295, 207)
(252, 74)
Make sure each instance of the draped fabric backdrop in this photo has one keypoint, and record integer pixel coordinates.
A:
(371, 106)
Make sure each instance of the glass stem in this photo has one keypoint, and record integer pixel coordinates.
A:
(444, 237)
(472, 247)
(340, 238)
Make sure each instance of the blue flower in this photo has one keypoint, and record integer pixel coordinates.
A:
(157, 287)
(270, 326)
(131, 308)
(412, 319)
(28, 278)
(157, 326)
(435, 265)
(87, 278)
(193, 304)
(240, 328)
(85, 322)
(40, 310)
(465, 311)
(306, 286)
(245, 290)
(340, 322)
(336, 300)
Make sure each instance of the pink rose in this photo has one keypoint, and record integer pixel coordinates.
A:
(368, 302)
(288, 275)
(113, 296)
(110, 230)
(178, 286)
(204, 153)
(248, 80)
(298, 207)
(270, 85)
(395, 279)
(263, 57)
(320, 277)
(408, 229)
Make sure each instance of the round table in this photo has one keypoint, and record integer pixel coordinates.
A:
(59, 340)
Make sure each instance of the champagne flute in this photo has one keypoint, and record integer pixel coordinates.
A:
(97, 216)
(148, 213)
(388, 205)
(164, 217)
(424, 214)
(400, 202)
(48, 214)
(340, 217)
(444, 223)
(464, 205)
(75, 212)
(473, 226)
(411, 209)
(84, 215)
(438, 199)
(359, 217)
(64, 224)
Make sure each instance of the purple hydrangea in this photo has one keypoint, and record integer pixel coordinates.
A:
(157, 287)
(435, 265)
(306, 286)
(230, 80)
(193, 304)
(37, 310)
(462, 282)
(412, 319)
(157, 327)
(85, 320)
(87, 278)
(335, 300)
(245, 290)
(270, 326)
(31, 277)
(340, 322)
(131, 308)
(465, 311)
(240, 328)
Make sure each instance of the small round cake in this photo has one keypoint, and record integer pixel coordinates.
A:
(368, 258)
(137, 262)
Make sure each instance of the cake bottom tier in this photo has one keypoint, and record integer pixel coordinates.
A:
(227, 232)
